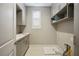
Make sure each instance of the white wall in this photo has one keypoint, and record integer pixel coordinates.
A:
(47, 33)
(65, 34)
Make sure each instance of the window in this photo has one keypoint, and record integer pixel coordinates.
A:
(36, 19)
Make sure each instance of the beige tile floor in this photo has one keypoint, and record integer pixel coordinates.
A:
(37, 50)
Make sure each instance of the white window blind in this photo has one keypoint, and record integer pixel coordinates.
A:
(36, 19)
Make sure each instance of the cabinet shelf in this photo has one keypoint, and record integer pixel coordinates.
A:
(63, 10)
(60, 20)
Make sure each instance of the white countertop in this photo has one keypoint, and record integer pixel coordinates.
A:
(20, 36)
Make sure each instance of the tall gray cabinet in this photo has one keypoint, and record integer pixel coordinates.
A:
(7, 29)
(76, 29)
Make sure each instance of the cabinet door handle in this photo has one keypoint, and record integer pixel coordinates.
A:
(74, 40)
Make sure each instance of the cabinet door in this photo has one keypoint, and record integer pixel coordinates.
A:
(62, 5)
(56, 7)
(22, 46)
(19, 18)
(6, 22)
(52, 10)
(76, 29)
(7, 48)
(19, 48)
(21, 15)
(12, 53)
(26, 43)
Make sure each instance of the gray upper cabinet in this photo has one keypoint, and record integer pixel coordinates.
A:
(6, 22)
(20, 14)
(56, 7)
(61, 6)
